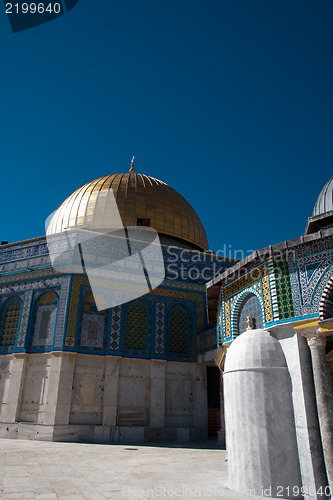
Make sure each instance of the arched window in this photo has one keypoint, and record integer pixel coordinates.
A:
(136, 327)
(10, 323)
(178, 331)
(250, 307)
(94, 323)
(44, 323)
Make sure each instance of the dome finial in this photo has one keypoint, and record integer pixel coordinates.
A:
(132, 166)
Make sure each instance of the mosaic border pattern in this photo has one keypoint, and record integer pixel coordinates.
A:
(62, 309)
(273, 290)
(115, 328)
(74, 302)
(26, 308)
(308, 281)
(318, 292)
(284, 288)
(267, 299)
(306, 299)
(245, 281)
(28, 285)
(159, 332)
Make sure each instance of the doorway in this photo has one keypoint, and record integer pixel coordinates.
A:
(213, 400)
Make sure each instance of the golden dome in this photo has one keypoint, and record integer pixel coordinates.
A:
(141, 200)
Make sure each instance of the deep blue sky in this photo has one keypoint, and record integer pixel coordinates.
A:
(229, 102)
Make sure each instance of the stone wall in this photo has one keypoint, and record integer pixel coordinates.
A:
(73, 397)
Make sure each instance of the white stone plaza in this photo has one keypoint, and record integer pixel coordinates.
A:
(76, 471)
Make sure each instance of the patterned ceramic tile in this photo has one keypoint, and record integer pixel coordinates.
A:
(63, 302)
(43, 331)
(10, 323)
(250, 307)
(310, 270)
(178, 330)
(24, 318)
(159, 335)
(92, 331)
(283, 287)
(28, 285)
(115, 328)
(136, 327)
(74, 303)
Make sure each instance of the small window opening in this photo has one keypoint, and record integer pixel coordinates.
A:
(143, 222)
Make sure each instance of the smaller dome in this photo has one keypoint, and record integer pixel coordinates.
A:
(254, 349)
(324, 203)
(322, 217)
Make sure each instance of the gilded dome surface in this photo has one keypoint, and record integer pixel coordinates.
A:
(324, 203)
(141, 200)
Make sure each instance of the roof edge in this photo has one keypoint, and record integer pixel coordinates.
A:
(269, 251)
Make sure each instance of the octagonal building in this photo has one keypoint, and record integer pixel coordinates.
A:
(140, 371)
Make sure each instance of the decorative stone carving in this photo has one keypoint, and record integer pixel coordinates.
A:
(316, 340)
(251, 322)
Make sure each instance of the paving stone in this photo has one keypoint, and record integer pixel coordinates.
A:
(46, 496)
(75, 471)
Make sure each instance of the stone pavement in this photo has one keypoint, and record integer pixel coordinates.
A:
(77, 471)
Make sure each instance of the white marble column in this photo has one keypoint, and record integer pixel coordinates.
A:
(310, 453)
(13, 390)
(60, 388)
(111, 386)
(324, 397)
(66, 376)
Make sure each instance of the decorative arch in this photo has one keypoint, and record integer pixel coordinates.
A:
(137, 329)
(10, 319)
(241, 299)
(326, 301)
(179, 330)
(93, 324)
(44, 319)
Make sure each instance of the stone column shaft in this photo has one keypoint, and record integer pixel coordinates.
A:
(324, 399)
(60, 388)
(157, 393)
(13, 390)
(111, 387)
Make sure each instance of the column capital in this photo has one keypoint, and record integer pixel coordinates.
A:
(315, 338)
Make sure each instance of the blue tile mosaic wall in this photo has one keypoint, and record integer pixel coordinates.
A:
(296, 280)
(25, 269)
(250, 307)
